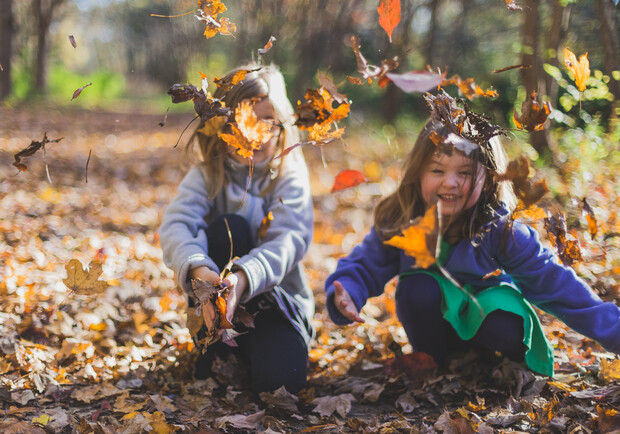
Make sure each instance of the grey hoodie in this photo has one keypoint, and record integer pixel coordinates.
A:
(275, 261)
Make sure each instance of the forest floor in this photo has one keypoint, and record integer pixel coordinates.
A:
(122, 361)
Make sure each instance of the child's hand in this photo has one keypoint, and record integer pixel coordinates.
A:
(206, 275)
(238, 283)
(344, 303)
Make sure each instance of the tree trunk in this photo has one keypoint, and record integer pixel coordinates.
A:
(609, 40)
(559, 26)
(6, 46)
(432, 33)
(530, 76)
(44, 12)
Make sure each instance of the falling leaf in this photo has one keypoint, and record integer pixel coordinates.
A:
(72, 40)
(264, 225)
(329, 85)
(348, 179)
(323, 134)
(580, 69)
(567, 250)
(533, 115)
(508, 68)
(33, 147)
(249, 133)
(469, 88)
(205, 106)
(355, 80)
(418, 239)
(79, 91)
(372, 72)
(518, 171)
(531, 212)
(208, 12)
(389, 15)
(229, 81)
(320, 108)
(267, 46)
(591, 218)
(84, 282)
(417, 81)
(512, 5)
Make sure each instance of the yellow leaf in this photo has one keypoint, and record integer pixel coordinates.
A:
(610, 370)
(415, 239)
(580, 69)
(249, 133)
(42, 420)
(264, 225)
(83, 282)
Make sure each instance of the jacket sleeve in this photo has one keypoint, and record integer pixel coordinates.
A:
(363, 273)
(288, 236)
(557, 289)
(182, 233)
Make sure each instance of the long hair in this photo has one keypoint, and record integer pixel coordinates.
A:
(266, 82)
(394, 212)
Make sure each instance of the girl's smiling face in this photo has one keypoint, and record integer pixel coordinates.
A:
(449, 179)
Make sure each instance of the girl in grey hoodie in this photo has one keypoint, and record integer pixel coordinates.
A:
(233, 189)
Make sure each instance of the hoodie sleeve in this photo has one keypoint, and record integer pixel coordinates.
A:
(363, 273)
(557, 289)
(288, 236)
(182, 233)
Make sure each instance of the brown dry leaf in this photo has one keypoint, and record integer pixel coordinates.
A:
(124, 404)
(469, 88)
(264, 225)
(579, 68)
(417, 239)
(533, 212)
(518, 172)
(568, 250)
(327, 405)
(79, 91)
(33, 147)
(323, 134)
(208, 12)
(320, 108)
(84, 282)
(372, 72)
(229, 81)
(249, 133)
(533, 115)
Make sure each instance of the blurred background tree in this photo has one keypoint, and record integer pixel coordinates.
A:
(132, 58)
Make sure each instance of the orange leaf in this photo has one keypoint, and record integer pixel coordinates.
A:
(250, 133)
(264, 225)
(348, 179)
(580, 69)
(227, 82)
(82, 281)
(533, 115)
(417, 239)
(591, 218)
(389, 15)
(320, 109)
(469, 88)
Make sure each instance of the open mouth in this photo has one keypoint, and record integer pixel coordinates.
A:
(448, 197)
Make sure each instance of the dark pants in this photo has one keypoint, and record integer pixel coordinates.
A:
(418, 306)
(274, 351)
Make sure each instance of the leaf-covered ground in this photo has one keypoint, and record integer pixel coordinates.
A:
(122, 361)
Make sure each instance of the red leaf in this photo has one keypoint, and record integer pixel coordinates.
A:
(389, 15)
(347, 179)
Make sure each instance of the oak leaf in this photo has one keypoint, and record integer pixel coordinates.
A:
(389, 15)
(84, 282)
(418, 239)
(533, 115)
(579, 68)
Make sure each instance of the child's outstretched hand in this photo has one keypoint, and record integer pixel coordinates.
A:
(344, 303)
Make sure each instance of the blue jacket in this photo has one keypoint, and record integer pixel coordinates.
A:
(526, 265)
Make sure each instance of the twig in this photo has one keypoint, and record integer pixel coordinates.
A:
(86, 170)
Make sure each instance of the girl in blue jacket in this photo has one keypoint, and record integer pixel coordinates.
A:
(229, 193)
(479, 237)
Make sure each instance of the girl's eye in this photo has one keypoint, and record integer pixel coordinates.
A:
(436, 171)
(465, 173)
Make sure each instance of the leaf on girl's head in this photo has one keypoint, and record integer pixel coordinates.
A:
(533, 115)
(320, 108)
(208, 12)
(329, 85)
(205, 105)
(469, 88)
(265, 224)
(591, 218)
(580, 68)
(84, 282)
(33, 147)
(416, 81)
(249, 133)
(518, 172)
(567, 250)
(419, 238)
(72, 40)
(79, 91)
(372, 72)
(348, 179)
(512, 5)
(460, 143)
(267, 46)
(229, 81)
(389, 15)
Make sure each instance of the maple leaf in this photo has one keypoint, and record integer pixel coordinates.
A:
(79, 91)
(533, 115)
(348, 179)
(389, 15)
(416, 81)
(419, 238)
(518, 172)
(249, 133)
(372, 72)
(29, 150)
(469, 88)
(567, 250)
(84, 282)
(208, 12)
(580, 69)
(229, 81)
(320, 108)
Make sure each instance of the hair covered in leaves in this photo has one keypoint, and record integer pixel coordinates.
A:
(261, 81)
(449, 124)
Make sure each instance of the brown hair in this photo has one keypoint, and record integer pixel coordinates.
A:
(394, 212)
(266, 82)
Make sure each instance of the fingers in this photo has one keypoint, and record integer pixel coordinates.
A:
(344, 303)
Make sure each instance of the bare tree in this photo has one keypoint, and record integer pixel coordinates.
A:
(6, 46)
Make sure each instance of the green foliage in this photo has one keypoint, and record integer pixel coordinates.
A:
(106, 87)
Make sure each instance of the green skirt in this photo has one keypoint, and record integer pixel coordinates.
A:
(466, 317)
